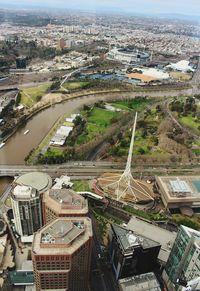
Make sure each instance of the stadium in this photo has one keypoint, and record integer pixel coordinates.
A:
(127, 56)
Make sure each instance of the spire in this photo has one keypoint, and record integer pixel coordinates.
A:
(124, 187)
(127, 170)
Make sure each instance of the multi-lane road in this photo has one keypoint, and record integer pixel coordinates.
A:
(91, 169)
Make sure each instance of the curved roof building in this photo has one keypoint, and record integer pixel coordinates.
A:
(127, 56)
(40, 181)
(114, 186)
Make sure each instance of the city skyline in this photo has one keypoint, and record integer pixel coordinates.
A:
(138, 6)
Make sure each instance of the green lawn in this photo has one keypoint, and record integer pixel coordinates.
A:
(29, 96)
(53, 151)
(75, 85)
(25, 100)
(142, 145)
(121, 106)
(146, 140)
(137, 104)
(80, 186)
(97, 123)
(190, 122)
(196, 152)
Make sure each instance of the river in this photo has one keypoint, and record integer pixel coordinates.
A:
(19, 145)
(4, 183)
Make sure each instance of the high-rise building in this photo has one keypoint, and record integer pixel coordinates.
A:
(150, 230)
(130, 253)
(26, 202)
(61, 254)
(27, 210)
(63, 203)
(40, 181)
(61, 43)
(184, 260)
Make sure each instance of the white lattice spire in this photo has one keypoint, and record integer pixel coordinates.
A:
(126, 184)
(127, 170)
(126, 178)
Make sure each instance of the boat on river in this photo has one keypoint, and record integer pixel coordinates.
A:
(27, 131)
(2, 144)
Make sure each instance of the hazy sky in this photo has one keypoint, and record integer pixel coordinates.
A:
(141, 6)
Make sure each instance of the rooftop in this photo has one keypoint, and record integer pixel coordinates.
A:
(63, 235)
(144, 282)
(180, 189)
(129, 239)
(37, 180)
(62, 181)
(142, 77)
(21, 278)
(24, 192)
(164, 237)
(61, 200)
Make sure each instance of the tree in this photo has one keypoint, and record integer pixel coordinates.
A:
(78, 120)
(141, 151)
(18, 99)
(55, 85)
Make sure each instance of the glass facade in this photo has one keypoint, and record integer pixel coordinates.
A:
(184, 260)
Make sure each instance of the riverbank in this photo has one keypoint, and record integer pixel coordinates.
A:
(51, 99)
(41, 117)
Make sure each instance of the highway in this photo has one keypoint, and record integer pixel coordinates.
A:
(90, 169)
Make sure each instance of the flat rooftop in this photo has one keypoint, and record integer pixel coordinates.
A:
(163, 236)
(129, 239)
(144, 282)
(66, 196)
(62, 200)
(142, 77)
(21, 278)
(40, 181)
(24, 192)
(63, 235)
(180, 188)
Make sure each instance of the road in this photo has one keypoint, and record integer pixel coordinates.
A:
(90, 169)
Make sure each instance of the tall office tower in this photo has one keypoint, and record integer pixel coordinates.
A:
(63, 203)
(61, 254)
(26, 202)
(27, 210)
(184, 259)
(130, 253)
